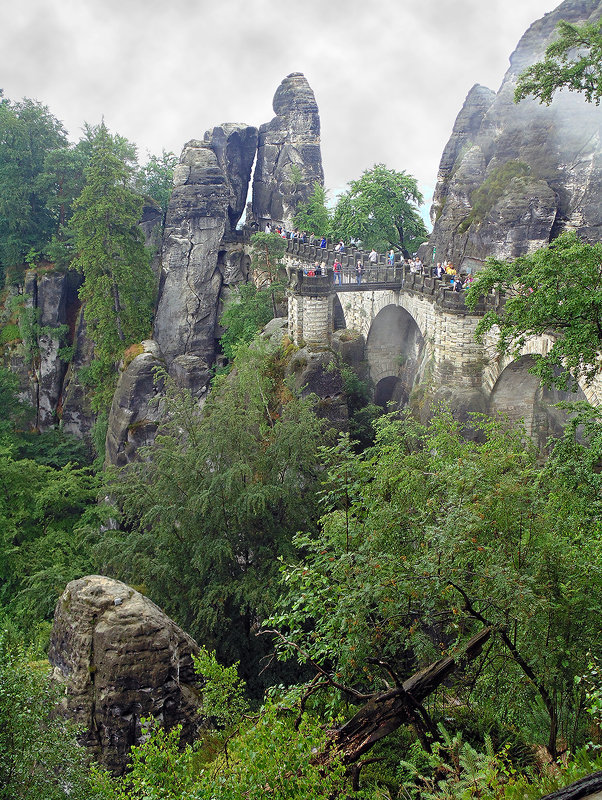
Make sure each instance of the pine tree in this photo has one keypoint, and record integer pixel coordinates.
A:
(119, 286)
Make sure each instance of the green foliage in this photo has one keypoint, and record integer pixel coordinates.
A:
(246, 312)
(119, 287)
(159, 768)
(9, 333)
(267, 251)
(296, 174)
(313, 215)
(53, 448)
(380, 209)
(14, 413)
(155, 178)
(268, 757)
(28, 134)
(30, 333)
(591, 682)
(455, 770)
(44, 495)
(222, 494)
(427, 536)
(39, 508)
(495, 185)
(362, 413)
(271, 757)
(572, 61)
(39, 756)
(557, 288)
(61, 183)
(223, 691)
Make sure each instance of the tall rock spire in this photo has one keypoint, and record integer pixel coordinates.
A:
(289, 160)
(210, 188)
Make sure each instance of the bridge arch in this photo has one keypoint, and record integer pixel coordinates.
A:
(536, 345)
(394, 350)
(519, 394)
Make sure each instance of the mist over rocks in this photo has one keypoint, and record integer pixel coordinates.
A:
(514, 176)
(289, 159)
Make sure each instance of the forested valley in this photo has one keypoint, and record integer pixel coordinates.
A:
(410, 609)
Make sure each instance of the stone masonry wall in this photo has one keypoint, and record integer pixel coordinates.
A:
(310, 318)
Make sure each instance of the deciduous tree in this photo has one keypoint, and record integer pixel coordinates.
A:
(312, 215)
(380, 209)
(572, 61)
(28, 134)
(558, 290)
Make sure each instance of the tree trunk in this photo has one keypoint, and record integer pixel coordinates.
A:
(402, 705)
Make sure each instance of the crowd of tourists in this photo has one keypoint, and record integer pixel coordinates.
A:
(442, 270)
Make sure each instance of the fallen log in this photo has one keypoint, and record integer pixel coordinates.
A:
(582, 788)
(383, 713)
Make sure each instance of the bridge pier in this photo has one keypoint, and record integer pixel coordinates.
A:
(310, 309)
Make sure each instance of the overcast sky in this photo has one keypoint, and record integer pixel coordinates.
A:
(389, 75)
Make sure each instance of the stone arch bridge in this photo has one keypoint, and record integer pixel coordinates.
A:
(418, 332)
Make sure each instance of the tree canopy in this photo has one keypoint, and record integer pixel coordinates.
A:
(39, 753)
(313, 215)
(155, 178)
(380, 209)
(429, 538)
(29, 133)
(573, 61)
(223, 494)
(119, 286)
(557, 290)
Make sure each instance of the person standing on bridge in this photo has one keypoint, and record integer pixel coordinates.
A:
(358, 271)
(391, 258)
(336, 268)
(373, 259)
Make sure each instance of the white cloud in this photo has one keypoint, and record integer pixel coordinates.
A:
(389, 75)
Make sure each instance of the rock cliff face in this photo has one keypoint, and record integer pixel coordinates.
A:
(289, 159)
(198, 256)
(514, 176)
(120, 658)
(50, 299)
(78, 417)
(210, 186)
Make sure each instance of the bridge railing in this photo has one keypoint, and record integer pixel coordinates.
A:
(315, 281)
(378, 275)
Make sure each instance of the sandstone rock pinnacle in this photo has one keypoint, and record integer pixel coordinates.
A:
(289, 159)
(120, 659)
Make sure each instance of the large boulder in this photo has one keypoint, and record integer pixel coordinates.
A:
(289, 159)
(121, 659)
(209, 184)
(512, 177)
